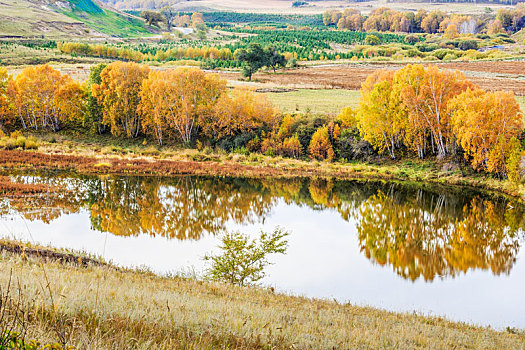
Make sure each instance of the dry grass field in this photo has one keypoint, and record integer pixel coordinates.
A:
(100, 307)
(494, 75)
(31, 19)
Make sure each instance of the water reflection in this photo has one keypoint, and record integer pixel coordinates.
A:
(430, 235)
(420, 232)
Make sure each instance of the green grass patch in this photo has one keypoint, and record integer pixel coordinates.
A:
(111, 23)
(315, 101)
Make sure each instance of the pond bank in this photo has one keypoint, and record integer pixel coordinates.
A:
(93, 309)
(146, 161)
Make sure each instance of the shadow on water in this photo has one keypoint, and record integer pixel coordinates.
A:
(421, 231)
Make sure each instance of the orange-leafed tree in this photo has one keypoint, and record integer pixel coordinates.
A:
(43, 98)
(154, 105)
(179, 101)
(242, 111)
(408, 82)
(495, 27)
(320, 146)
(484, 124)
(292, 147)
(381, 113)
(428, 100)
(348, 118)
(451, 32)
(119, 92)
(6, 111)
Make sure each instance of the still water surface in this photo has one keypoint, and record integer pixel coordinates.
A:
(435, 250)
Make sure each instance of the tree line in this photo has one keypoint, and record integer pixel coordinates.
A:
(427, 111)
(170, 18)
(128, 54)
(388, 20)
(420, 110)
(250, 59)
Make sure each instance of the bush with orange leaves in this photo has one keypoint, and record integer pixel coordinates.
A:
(320, 147)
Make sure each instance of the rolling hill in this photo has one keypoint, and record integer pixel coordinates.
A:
(65, 18)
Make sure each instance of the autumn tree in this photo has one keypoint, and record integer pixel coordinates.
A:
(119, 93)
(381, 113)
(431, 22)
(424, 108)
(451, 32)
(241, 112)
(408, 82)
(43, 98)
(197, 19)
(484, 124)
(6, 112)
(348, 118)
(495, 27)
(291, 147)
(183, 21)
(178, 101)
(320, 146)
(152, 17)
(426, 99)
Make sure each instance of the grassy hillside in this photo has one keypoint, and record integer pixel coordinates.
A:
(24, 18)
(62, 19)
(101, 307)
(105, 20)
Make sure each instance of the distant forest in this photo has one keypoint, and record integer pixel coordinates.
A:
(158, 4)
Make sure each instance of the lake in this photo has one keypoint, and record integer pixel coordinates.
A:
(445, 251)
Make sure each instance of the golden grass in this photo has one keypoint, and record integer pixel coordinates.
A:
(103, 308)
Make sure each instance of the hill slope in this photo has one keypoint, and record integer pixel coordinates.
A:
(65, 18)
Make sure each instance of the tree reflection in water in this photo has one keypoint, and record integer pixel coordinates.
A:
(421, 232)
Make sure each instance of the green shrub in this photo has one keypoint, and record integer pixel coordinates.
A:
(413, 53)
(468, 45)
(242, 150)
(441, 53)
(243, 260)
(423, 47)
(270, 152)
(372, 40)
(411, 39)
